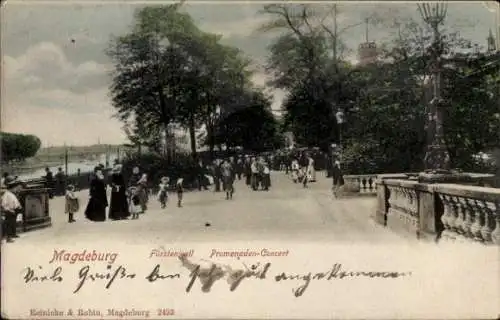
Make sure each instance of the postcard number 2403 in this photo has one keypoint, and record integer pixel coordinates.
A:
(165, 312)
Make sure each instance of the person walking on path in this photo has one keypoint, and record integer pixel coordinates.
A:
(338, 178)
(98, 202)
(239, 167)
(49, 182)
(247, 168)
(60, 178)
(142, 185)
(202, 180)
(118, 207)
(134, 202)
(72, 203)
(311, 171)
(304, 162)
(179, 188)
(254, 176)
(217, 175)
(163, 192)
(228, 179)
(266, 183)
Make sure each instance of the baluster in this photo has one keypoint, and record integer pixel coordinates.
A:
(495, 235)
(392, 203)
(468, 218)
(363, 181)
(401, 202)
(489, 220)
(398, 202)
(459, 222)
(452, 218)
(370, 184)
(414, 208)
(407, 206)
(446, 234)
(477, 215)
(360, 184)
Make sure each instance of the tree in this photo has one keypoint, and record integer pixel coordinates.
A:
(251, 126)
(18, 147)
(307, 60)
(390, 126)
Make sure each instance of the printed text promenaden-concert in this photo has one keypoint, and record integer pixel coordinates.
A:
(249, 253)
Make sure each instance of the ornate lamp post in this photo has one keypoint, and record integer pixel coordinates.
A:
(437, 159)
(340, 116)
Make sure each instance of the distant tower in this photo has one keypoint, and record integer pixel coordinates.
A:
(367, 51)
(491, 42)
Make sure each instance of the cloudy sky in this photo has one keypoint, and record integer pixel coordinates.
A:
(57, 89)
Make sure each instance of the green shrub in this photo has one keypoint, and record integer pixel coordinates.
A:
(156, 166)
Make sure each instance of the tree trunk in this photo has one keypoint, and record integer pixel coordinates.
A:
(211, 142)
(167, 145)
(192, 136)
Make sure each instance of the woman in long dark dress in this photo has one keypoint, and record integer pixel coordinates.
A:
(118, 207)
(96, 208)
(338, 178)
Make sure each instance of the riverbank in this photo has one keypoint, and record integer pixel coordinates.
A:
(24, 168)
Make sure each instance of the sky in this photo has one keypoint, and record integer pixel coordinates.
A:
(58, 90)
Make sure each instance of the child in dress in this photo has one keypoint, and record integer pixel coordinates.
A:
(72, 203)
(134, 202)
(180, 190)
(162, 193)
(295, 171)
(267, 177)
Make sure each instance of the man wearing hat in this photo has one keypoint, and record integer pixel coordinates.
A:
(10, 206)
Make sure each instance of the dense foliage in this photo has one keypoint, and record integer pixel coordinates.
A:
(18, 147)
(168, 72)
(155, 166)
(385, 103)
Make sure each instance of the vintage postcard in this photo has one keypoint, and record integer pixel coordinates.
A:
(250, 160)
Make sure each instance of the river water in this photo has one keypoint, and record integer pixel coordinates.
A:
(85, 166)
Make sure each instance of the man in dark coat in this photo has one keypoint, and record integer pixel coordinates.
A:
(202, 183)
(49, 182)
(60, 182)
(217, 175)
(247, 168)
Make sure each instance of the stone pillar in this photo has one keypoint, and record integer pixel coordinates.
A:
(382, 203)
(351, 184)
(428, 211)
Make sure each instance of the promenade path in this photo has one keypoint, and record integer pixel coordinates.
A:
(286, 212)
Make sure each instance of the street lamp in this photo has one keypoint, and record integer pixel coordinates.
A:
(437, 158)
(340, 116)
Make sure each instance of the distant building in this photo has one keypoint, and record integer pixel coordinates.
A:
(367, 51)
(492, 46)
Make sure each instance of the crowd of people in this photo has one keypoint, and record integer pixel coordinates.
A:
(129, 199)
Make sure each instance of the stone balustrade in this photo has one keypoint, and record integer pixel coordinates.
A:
(362, 184)
(470, 213)
(444, 212)
(365, 184)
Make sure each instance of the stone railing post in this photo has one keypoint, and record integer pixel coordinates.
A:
(352, 184)
(495, 235)
(403, 213)
(382, 203)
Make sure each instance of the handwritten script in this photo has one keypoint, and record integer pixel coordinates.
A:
(207, 275)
